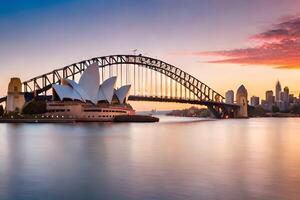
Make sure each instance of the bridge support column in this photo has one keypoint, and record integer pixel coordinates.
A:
(242, 101)
(214, 112)
(15, 98)
(222, 112)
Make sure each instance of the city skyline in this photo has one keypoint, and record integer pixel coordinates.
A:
(280, 98)
(39, 37)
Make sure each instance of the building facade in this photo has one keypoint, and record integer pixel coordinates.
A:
(277, 91)
(229, 96)
(254, 101)
(270, 100)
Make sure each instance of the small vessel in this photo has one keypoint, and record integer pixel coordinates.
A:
(135, 118)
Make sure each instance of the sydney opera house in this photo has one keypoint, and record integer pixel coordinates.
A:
(87, 101)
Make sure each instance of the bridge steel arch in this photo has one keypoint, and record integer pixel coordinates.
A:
(203, 92)
(206, 95)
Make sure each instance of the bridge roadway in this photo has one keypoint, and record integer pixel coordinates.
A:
(3, 99)
(220, 110)
(179, 100)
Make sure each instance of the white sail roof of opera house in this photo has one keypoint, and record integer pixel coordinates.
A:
(88, 88)
(89, 82)
(122, 93)
(76, 87)
(66, 92)
(106, 90)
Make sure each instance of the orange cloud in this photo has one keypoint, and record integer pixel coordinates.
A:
(279, 48)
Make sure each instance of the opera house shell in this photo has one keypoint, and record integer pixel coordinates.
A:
(88, 89)
(87, 100)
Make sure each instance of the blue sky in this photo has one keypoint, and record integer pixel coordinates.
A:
(38, 36)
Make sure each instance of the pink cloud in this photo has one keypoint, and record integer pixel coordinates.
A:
(279, 48)
(289, 29)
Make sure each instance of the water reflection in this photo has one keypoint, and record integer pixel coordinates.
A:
(174, 159)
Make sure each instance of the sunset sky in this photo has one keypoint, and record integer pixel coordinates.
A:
(224, 43)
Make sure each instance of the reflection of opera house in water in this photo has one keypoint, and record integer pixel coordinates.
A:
(87, 101)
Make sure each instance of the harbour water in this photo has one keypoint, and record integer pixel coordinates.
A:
(177, 158)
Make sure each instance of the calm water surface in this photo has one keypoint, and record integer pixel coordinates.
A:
(175, 159)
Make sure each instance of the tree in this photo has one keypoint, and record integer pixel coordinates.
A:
(34, 107)
(257, 111)
(1, 110)
(295, 109)
(275, 109)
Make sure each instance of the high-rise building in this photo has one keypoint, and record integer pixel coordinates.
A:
(283, 102)
(285, 95)
(254, 101)
(265, 105)
(291, 98)
(286, 89)
(269, 97)
(277, 91)
(229, 96)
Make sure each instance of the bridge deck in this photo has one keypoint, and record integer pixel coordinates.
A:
(180, 100)
(3, 99)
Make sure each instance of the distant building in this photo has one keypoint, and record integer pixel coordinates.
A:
(265, 105)
(283, 103)
(282, 106)
(286, 89)
(254, 101)
(285, 96)
(291, 98)
(282, 99)
(277, 91)
(270, 100)
(296, 101)
(242, 101)
(229, 97)
(269, 97)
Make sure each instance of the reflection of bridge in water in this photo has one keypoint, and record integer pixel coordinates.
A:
(151, 80)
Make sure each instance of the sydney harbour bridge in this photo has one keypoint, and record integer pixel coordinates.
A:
(151, 80)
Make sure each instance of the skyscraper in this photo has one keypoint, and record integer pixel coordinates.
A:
(229, 96)
(285, 95)
(286, 89)
(277, 91)
(254, 101)
(291, 98)
(284, 99)
(269, 97)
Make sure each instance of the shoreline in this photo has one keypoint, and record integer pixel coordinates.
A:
(123, 119)
(117, 119)
(268, 115)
